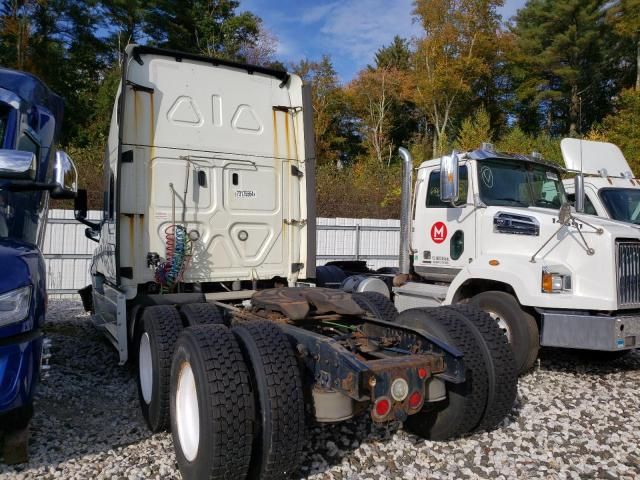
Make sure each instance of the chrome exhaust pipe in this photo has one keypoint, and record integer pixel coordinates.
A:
(405, 214)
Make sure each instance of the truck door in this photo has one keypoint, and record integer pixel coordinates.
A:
(444, 234)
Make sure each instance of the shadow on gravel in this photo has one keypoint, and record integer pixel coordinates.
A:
(586, 362)
(330, 445)
(88, 404)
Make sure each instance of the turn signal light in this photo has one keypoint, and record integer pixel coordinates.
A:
(382, 407)
(415, 400)
(555, 283)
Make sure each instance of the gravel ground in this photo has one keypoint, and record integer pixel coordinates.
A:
(573, 419)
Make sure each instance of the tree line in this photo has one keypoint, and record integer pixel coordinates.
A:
(556, 69)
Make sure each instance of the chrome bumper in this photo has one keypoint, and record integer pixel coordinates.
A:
(589, 332)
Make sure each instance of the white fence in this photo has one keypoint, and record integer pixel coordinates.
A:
(67, 251)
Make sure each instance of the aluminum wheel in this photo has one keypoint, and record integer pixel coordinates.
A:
(502, 323)
(187, 414)
(145, 368)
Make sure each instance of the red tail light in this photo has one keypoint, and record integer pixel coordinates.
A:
(422, 373)
(382, 407)
(415, 400)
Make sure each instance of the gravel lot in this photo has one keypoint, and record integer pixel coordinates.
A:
(574, 419)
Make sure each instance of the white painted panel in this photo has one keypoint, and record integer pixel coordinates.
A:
(68, 252)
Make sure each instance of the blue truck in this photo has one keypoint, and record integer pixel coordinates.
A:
(31, 172)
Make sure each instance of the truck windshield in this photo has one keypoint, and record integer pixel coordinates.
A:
(520, 184)
(622, 204)
(19, 216)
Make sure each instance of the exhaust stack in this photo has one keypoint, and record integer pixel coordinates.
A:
(405, 202)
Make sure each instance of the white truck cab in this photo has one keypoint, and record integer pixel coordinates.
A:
(610, 189)
(495, 229)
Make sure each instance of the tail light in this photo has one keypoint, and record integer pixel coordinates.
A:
(422, 373)
(415, 400)
(382, 407)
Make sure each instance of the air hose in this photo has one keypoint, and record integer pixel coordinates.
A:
(178, 252)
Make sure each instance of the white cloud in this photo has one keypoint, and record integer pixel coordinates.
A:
(358, 28)
(317, 13)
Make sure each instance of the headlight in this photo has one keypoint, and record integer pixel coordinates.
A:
(14, 306)
(555, 282)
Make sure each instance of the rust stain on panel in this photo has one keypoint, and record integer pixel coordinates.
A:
(276, 150)
(286, 134)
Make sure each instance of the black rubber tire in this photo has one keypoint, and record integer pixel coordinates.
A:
(201, 313)
(225, 403)
(377, 304)
(163, 325)
(525, 336)
(279, 399)
(329, 276)
(489, 370)
(502, 368)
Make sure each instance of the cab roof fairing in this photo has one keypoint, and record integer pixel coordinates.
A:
(135, 51)
(493, 155)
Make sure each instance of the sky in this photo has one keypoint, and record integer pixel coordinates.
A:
(350, 31)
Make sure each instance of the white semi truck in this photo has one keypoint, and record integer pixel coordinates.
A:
(495, 230)
(203, 278)
(606, 185)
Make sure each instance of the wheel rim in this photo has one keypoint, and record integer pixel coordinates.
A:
(502, 324)
(145, 368)
(187, 413)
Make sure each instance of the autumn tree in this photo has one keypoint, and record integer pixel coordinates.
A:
(474, 131)
(624, 16)
(456, 52)
(622, 127)
(336, 142)
(373, 94)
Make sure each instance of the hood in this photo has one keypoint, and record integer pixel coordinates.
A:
(18, 261)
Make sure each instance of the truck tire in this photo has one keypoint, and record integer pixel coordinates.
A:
(329, 276)
(490, 371)
(519, 326)
(502, 368)
(377, 304)
(155, 339)
(201, 313)
(212, 411)
(277, 387)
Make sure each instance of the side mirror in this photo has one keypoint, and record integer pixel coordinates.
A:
(80, 214)
(449, 184)
(65, 177)
(80, 205)
(579, 188)
(17, 165)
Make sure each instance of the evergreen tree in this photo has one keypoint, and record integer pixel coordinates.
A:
(395, 55)
(211, 27)
(558, 69)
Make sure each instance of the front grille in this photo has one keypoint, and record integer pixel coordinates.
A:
(628, 271)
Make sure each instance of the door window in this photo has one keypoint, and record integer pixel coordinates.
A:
(433, 190)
